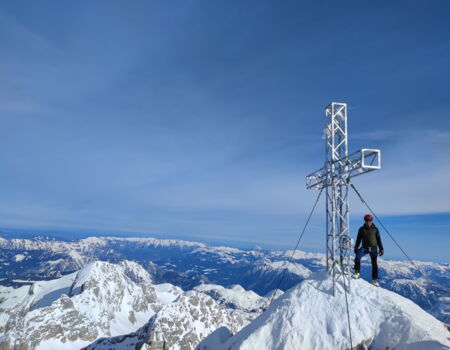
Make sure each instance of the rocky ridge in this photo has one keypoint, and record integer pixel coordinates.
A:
(180, 325)
(101, 299)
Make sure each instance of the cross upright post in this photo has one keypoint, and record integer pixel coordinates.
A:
(334, 177)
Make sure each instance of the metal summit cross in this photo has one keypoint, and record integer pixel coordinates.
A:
(335, 177)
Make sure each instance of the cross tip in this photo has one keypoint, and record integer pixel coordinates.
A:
(333, 103)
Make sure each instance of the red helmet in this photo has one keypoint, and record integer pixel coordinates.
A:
(368, 217)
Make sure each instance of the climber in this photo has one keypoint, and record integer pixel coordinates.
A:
(369, 236)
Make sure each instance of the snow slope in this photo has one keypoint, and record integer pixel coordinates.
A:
(309, 317)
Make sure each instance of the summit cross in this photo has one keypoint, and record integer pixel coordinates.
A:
(335, 177)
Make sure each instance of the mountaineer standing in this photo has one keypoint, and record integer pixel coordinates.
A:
(369, 236)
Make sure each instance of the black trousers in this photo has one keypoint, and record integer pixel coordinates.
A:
(373, 258)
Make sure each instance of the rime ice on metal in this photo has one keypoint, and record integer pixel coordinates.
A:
(334, 177)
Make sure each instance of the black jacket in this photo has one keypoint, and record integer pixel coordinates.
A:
(369, 236)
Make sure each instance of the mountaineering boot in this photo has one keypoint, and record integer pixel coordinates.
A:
(356, 275)
(375, 283)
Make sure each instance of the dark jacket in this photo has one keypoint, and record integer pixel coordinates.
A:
(369, 236)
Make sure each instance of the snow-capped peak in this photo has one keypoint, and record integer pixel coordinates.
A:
(101, 299)
(309, 317)
(235, 297)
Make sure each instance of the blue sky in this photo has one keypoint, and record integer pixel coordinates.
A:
(201, 119)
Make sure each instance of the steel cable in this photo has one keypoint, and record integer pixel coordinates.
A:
(392, 237)
(296, 246)
(387, 231)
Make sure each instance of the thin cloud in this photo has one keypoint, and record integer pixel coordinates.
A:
(373, 135)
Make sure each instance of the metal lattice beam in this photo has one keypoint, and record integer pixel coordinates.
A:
(359, 162)
(335, 176)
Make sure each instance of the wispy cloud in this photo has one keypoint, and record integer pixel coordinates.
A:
(414, 175)
(373, 135)
(206, 120)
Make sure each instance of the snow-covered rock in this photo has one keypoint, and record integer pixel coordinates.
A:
(245, 303)
(309, 317)
(101, 299)
(180, 325)
(266, 275)
(19, 257)
(442, 309)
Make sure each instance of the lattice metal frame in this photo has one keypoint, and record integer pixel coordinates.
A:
(335, 176)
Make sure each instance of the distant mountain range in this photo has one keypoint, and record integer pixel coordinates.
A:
(140, 291)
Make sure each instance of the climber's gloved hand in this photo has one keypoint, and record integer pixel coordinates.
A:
(355, 250)
(381, 252)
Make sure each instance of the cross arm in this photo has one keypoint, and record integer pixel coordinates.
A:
(357, 163)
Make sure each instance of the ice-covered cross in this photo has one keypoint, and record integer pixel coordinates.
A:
(335, 177)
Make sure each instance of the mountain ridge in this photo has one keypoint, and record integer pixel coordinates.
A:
(188, 264)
